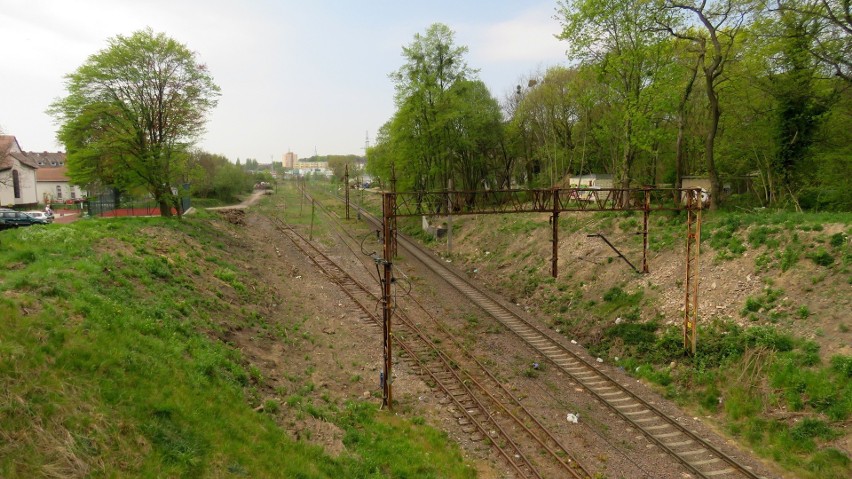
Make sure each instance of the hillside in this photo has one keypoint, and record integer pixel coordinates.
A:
(196, 348)
(774, 363)
(209, 347)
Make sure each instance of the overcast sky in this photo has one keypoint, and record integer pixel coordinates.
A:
(295, 75)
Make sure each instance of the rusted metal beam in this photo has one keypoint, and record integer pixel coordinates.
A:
(417, 203)
(555, 201)
(601, 236)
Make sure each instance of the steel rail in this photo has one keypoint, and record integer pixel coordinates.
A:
(601, 385)
(347, 283)
(543, 434)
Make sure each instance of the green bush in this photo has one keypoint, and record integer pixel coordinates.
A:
(842, 365)
(789, 257)
(822, 257)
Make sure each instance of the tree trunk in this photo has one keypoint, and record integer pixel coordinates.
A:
(710, 143)
(681, 126)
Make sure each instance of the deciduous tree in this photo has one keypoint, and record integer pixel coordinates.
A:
(132, 112)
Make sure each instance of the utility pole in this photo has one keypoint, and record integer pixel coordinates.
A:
(313, 206)
(450, 216)
(388, 207)
(346, 187)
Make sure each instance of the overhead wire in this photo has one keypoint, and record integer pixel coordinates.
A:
(439, 324)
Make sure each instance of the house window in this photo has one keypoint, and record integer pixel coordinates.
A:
(16, 184)
(58, 192)
(73, 193)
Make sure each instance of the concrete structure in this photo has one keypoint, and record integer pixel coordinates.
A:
(290, 159)
(17, 174)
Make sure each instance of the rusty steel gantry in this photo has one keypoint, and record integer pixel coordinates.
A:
(553, 201)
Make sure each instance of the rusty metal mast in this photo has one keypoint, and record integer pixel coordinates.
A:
(388, 232)
(346, 187)
(553, 201)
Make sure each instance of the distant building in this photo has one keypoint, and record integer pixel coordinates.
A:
(46, 159)
(305, 168)
(311, 164)
(290, 159)
(592, 180)
(54, 186)
(17, 174)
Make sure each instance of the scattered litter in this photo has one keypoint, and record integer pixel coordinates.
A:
(616, 358)
(573, 341)
(449, 261)
(299, 277)
(535, 366)
(475, 270)
(600, 360)
(573, 418)
(619, 320)
(487, 253)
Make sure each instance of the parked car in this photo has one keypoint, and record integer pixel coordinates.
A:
(48, 218)
(15, 219)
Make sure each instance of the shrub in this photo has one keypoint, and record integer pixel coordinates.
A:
(809, 428)
(789, 258)
(752, 305)
(822, 257)
(842, 365)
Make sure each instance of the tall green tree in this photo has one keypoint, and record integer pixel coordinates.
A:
(714, 39)
(426, 109)
(549, 111)
(830, 23)
(621, 39)
(133, 111)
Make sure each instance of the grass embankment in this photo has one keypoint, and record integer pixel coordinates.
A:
(773, 390)
(767, 386)
(109, 366)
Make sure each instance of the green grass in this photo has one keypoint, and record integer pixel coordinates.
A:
(107, 367)
(741, 371)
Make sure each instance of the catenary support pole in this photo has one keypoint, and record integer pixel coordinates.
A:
(450, 216)
(387, 303)
(554, 220)
(646, 213)
(346, 188)
(693, 243)
(313, 209)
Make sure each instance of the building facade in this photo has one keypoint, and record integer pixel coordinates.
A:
(17, 175)
(54, 186)
(290, 159)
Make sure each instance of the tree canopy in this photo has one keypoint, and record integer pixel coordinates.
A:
(754, 97)
(132, 113)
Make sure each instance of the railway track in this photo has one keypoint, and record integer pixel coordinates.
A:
(484, 408)
(697, 455)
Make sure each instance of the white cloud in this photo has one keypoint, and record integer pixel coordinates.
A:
(526, 38)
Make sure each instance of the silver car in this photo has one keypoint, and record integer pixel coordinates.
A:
(41, 215)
